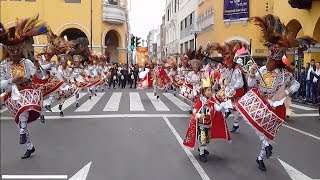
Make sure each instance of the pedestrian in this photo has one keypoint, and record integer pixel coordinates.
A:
(136, 75)
(315, 83)
(302, 81)
(123, 77)
(113, 76)
(309, 81)
(206, 123)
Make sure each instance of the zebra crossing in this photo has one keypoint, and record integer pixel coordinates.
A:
(136, 103)
(142, 101)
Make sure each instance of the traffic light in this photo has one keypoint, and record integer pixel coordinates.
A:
(138, 42)
(133, 42)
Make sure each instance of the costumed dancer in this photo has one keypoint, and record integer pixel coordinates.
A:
(235, 80)
(276, 83)
(193, 79)
(173, 73)
(91, 74)
(56, 45)
(78, 76)
(64, 73)
(100, 71)
(46, 81)
(207, 122)
(23, 101)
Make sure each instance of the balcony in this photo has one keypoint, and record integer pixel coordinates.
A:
(114, 14)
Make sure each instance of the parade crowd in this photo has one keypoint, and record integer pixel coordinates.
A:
(260, 95)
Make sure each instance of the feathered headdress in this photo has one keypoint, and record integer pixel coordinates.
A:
(228, 50)
(58, 45)
(23, 30)
(170, 62)
(278, 38)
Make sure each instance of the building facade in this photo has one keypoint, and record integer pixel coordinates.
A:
(162, 39)
(152, 43)
(109, 22)
(171, 26)
(214, 26)
(187, 25)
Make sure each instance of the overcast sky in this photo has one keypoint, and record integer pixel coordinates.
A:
(145, 15)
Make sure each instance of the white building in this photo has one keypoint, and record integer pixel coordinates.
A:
(187, 24)
(153, 43)
(171, 27)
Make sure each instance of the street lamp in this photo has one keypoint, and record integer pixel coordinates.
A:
(195, 41)
(91, 24)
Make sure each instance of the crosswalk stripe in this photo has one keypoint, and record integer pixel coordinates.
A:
(182, 105)
(3, 110)
(114, 102)
(88, 105)
(302, 107)
(135, 102)
(67, 103)
(157, 103)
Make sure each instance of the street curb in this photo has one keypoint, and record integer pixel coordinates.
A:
(304, 103)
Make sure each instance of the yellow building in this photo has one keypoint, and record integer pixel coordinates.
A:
(72, 18)
(305, 22)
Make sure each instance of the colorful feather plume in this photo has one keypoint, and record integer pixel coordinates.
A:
(275, 32)
(228, 48)
(23, 29)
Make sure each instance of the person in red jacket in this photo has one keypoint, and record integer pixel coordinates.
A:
(207, 122)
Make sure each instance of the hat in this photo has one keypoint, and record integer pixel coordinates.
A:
(278, 38)
(228, 49)
(206, 83)
(78, 58)
(14, 37)
(64, 57)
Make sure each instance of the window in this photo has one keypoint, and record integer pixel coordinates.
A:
(175, 6)
(181, 48)
(74, 1)
(192, 44)
(186, 46)
(168, 14)
(185, 23)
(191, 18)
(181, 25)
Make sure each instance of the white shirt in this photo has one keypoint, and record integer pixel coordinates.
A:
(308, 74)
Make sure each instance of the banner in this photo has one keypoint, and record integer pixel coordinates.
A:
(235, 10)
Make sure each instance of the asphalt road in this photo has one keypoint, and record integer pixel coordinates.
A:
(137, 137)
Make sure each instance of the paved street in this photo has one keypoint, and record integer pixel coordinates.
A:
(129, 134)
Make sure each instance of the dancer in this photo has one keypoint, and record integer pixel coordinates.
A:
(264, 107)
(207, 122)
(23, 101)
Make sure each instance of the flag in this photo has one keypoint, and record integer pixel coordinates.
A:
(241, 51)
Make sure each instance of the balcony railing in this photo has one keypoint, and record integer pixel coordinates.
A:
(114, 14)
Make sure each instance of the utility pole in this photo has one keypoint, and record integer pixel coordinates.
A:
(91, 24)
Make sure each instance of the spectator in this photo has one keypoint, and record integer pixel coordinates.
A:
(302, 81)
(316, 80)
(310, 71)
(113, 76)
(123, 77)
(136, 75)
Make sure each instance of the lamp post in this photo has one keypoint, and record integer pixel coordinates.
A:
(91, 24)
(195, 40)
